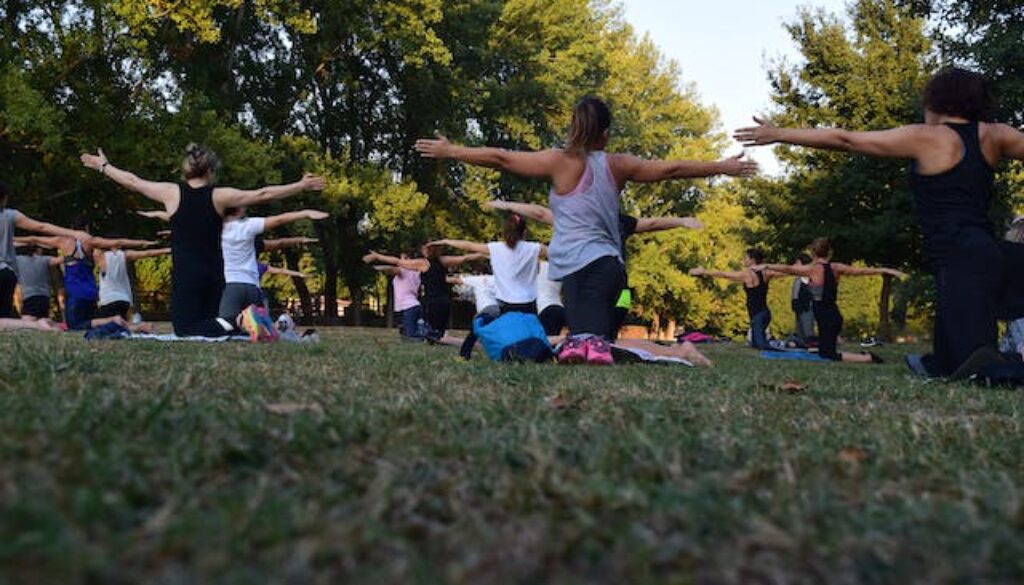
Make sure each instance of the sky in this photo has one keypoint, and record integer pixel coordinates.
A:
(724, 47)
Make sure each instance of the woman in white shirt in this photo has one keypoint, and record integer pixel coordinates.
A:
(514, 263)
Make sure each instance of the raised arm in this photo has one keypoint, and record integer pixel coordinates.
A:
(275, 221)
(140, 254)
(657, 224)
(420, 264)
(847, 270)
(389, 270)
(108, 243)
(160, 192)
(286, 272)
(1011, 141)
(279, 243)
(51, 242)
(527, 164)
(532, 211)
(454, 261)
(28, 224)
(224, 197)
(627, 168)
(790, 269)
(161, 215)
(740, 277)
(904, 142)
(474, 247)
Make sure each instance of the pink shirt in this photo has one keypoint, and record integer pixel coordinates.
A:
(407, 289)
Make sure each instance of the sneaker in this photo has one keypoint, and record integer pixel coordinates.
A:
(250, 323)
(269, 329)
(599, 352)
(574, 351)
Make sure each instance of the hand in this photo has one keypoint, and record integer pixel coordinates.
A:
(371, 257)
(311, 182)
(764, 133)
(316, 215)
(896, 273)
(697, 271)
(692, 223)
(438, 147)
(736, 167)
(94, 161)
(310, 240)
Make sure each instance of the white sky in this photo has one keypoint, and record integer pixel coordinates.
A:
(723, 46)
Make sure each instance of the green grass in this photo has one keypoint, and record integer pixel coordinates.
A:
(129, 462)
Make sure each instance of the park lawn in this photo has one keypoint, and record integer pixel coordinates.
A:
(367, 460)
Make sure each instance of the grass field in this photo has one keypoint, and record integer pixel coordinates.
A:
(365, 460)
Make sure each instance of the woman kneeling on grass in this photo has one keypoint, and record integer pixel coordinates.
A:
(584, 198)
(824, 285)
(196, 211)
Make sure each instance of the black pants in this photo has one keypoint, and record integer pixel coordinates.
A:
(436, 313)
(530, 308)
(830, 324)
(114, 309)
(194, 305)
(590, 295)
(553, 319)
(8, 280)
(980, 282)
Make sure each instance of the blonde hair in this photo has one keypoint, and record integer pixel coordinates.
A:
(199, 162)
(591, 118)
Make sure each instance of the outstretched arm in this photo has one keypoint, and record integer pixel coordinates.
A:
(224, 197)
(26, 223)
(161, 215)
(475, 247)
(279, 243)
(453, 261)
(791, 269)
(740, 276)
(529, 210)
(847, 270)
(657, 224)
(526, 164)
(140, 254)
(903, 142)
(286, 272)
(157, 191)
(419, 264)
(275, 221)
(51, 242)
(1011, 141)
(389, 270)
(98, 242)
(627, 168)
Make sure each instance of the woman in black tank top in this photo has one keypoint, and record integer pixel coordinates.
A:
(436, 290)
(755, 286)
(824, 276)
(978, 277)
(195, 209)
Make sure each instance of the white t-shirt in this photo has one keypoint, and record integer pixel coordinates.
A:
(549, 292)
(238, 244)
(515, 271)
(483, 291)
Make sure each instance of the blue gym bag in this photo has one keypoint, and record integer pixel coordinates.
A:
(512, 337)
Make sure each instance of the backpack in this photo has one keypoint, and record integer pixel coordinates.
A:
(512, 337)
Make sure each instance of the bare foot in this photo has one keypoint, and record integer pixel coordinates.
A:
(689, 352)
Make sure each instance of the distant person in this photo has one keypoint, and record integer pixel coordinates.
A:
(755, 287)
(801, 299)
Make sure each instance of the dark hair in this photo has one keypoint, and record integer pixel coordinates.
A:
(431, 252)
(199, 162)
(232, 211)
(804, 258)
(514, 229)
(820, 248)
(961, 93)
(755, 254)
(590, 119)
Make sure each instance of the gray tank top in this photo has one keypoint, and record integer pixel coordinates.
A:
(586, 220)
(114, 282)
(8, 254)
(34, 276)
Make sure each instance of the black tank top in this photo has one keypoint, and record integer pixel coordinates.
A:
(195, 237)
(435, 282)
(757, 297)
(956, 199)
(827, 293)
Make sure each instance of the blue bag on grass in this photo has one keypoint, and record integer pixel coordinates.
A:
(108, 331)
(512, 337)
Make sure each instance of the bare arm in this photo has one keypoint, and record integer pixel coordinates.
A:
(140, 254)
(28, 224)
(527, 164)
(657, 224)
(1011, 141)
(41, 241)
(453, 261)
(161, 215)
(790, 269)
(740, 277)
(279, 243)
(275, 221)
(475, 247)
(157, 191)
(532, 211)
(419, 264)
(286, 272)
(389, 270)
(903, 142)
(224, 197)
(847, 270)
(109, 243)
(631, 168)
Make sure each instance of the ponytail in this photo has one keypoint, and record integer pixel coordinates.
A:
(514, 229)
(591, 118)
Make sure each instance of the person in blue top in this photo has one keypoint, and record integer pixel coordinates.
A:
(979, 278)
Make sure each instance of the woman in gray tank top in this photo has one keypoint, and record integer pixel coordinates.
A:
(584, 199)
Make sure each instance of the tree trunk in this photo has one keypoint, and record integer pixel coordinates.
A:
(884, 323)
(291, 259)
(356, 292)
(389, 305)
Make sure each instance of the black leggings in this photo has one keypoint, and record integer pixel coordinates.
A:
(553, 319)
(194, 308)
(590, 295)
(436, 313)
(529, 308)
(8, 280)
(982, 281)
(830, 323)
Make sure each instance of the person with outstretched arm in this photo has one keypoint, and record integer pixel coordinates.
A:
(755, 287)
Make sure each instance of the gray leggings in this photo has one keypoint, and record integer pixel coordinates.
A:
(237, 296)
